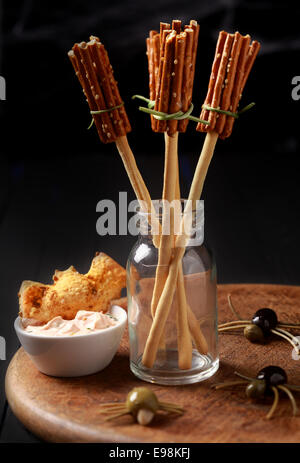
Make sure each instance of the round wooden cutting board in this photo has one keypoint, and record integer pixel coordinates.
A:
(65, 410)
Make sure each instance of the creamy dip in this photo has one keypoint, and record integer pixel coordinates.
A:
(85, 322)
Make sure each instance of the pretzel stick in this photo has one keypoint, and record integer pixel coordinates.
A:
(176, 26)
(167, 58)
(192, 32)
(152, 43)
(155, 43)
(165, 302)
(164, 31)
(175, 97)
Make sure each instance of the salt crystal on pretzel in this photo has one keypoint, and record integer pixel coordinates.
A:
(94, 71)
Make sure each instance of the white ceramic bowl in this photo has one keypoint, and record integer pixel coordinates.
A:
(70, 356)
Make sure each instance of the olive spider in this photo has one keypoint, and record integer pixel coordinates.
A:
(263, 323)
(271, 379)
(142, 403)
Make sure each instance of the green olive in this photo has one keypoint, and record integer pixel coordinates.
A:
(256, 389)
(141, 398)
(254, 333)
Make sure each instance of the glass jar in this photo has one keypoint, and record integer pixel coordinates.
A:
(199, 276)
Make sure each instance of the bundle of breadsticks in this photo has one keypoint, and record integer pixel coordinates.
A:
(234, 58)
(171, 59)
(171, 62)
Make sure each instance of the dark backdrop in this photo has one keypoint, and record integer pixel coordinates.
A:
(44, 101)
(53, 171)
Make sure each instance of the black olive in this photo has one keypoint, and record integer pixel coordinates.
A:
(273, 376)
(266, 319)
(256, 389)
(254, 333)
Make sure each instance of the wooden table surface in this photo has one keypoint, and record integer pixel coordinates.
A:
(47, 221)
(65, 410)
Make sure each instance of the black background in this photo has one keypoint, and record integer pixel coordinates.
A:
(54, 171)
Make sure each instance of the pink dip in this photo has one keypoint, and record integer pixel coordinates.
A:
(85, 322)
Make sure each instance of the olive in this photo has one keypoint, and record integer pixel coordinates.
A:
(256, 389)
(254, 333)
(273, 375)
(266, 319)
(141, 398)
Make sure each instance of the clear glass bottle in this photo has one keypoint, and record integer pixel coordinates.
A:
(199, 271)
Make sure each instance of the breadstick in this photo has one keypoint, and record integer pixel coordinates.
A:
(166, 244)
(184, 341)
(165, 302)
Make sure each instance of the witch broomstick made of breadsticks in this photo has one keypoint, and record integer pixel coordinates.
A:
(233, 61)
(171, 62)
(95, 74)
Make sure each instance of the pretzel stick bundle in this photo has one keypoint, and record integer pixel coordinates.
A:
(231, 67)
(232, 64)
(95, 74)
(173, 92)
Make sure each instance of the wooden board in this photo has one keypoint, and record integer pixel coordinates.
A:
(65, 410)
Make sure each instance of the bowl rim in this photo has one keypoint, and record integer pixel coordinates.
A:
(19, 329)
